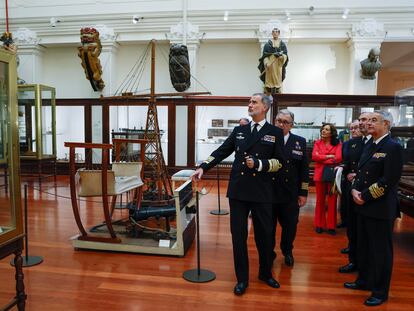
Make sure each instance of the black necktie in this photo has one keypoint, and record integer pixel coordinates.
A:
(254, 131)
(364, 140)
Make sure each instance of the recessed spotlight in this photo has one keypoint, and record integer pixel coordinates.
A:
(288, 16)
(226, 16)
(345, 14)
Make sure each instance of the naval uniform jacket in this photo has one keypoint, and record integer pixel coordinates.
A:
(293, 177)
(351, 153)
(379, 171)
(247, 184)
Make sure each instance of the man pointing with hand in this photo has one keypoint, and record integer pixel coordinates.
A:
(258, 156)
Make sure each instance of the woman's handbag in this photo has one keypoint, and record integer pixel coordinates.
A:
(328, 174)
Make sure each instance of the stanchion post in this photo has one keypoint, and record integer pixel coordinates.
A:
(218, 211)
(28, 261)
(198, 275)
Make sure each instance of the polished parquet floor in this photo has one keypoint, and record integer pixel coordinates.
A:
(71, 279)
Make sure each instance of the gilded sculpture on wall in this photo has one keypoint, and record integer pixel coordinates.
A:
(9, 45)
(89, 54)
(370, 65)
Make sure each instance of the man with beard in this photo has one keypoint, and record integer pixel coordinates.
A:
(258, 155)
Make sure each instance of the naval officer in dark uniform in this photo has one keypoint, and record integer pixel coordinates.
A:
(258, 155)
(293, 179)
(375, 194)
(351, 153)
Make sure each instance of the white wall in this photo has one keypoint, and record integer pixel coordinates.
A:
(62, 69)
(317, 68)
(226, 69)
(229, 68)
(128, 55)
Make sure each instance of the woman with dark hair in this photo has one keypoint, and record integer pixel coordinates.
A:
(327, 152)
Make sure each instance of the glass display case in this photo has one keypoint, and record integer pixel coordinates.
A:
(130, 121)
(37, 121)
(10, 209)
(11, 222)
(213, 125)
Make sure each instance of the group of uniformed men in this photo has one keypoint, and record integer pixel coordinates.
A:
(269, 179)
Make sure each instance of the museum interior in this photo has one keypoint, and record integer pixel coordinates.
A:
(107, 108)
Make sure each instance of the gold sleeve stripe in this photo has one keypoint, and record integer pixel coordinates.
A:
(305, 186)
(274, 165)
(209, 159)
(376, 191)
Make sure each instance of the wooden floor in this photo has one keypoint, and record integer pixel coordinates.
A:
(71, 279)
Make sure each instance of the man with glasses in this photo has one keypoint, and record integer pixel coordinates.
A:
(375, 195)
(258, 155)
(354, 132)
(294, 180)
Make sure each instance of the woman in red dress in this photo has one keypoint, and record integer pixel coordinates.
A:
(327, 151)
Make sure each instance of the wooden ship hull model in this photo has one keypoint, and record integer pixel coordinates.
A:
(160, 219)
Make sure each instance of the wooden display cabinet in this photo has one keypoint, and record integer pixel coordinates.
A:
(11, 222)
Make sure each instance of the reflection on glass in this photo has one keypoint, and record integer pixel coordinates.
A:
(36, 119)
(213, 125)
(3, 110)
(308, 120)
(131, 122)
(6, 211)
(27, 122)
(69, 127)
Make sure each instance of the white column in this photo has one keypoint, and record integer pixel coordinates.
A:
(109, 72)
(365, 35)
(189, 35)
(108, 58)
(30, 55)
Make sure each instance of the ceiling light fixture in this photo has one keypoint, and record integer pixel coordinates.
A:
(226, 16)
(311, 10)
(54, 21)
(136, 19)
(288, 16)
(345, 14)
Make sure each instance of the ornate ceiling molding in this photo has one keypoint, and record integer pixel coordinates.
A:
(368, 28)
(177, 32)
(106, 34)
(265, 30)
(26, 36)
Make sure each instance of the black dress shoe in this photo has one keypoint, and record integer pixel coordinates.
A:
(345, 250)
(351, 267)
(270, 281)
(373, 301)
(240, 288)
(318, 230)
(354, 285)
(289, 260)
(341, 225)
(331, 231)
